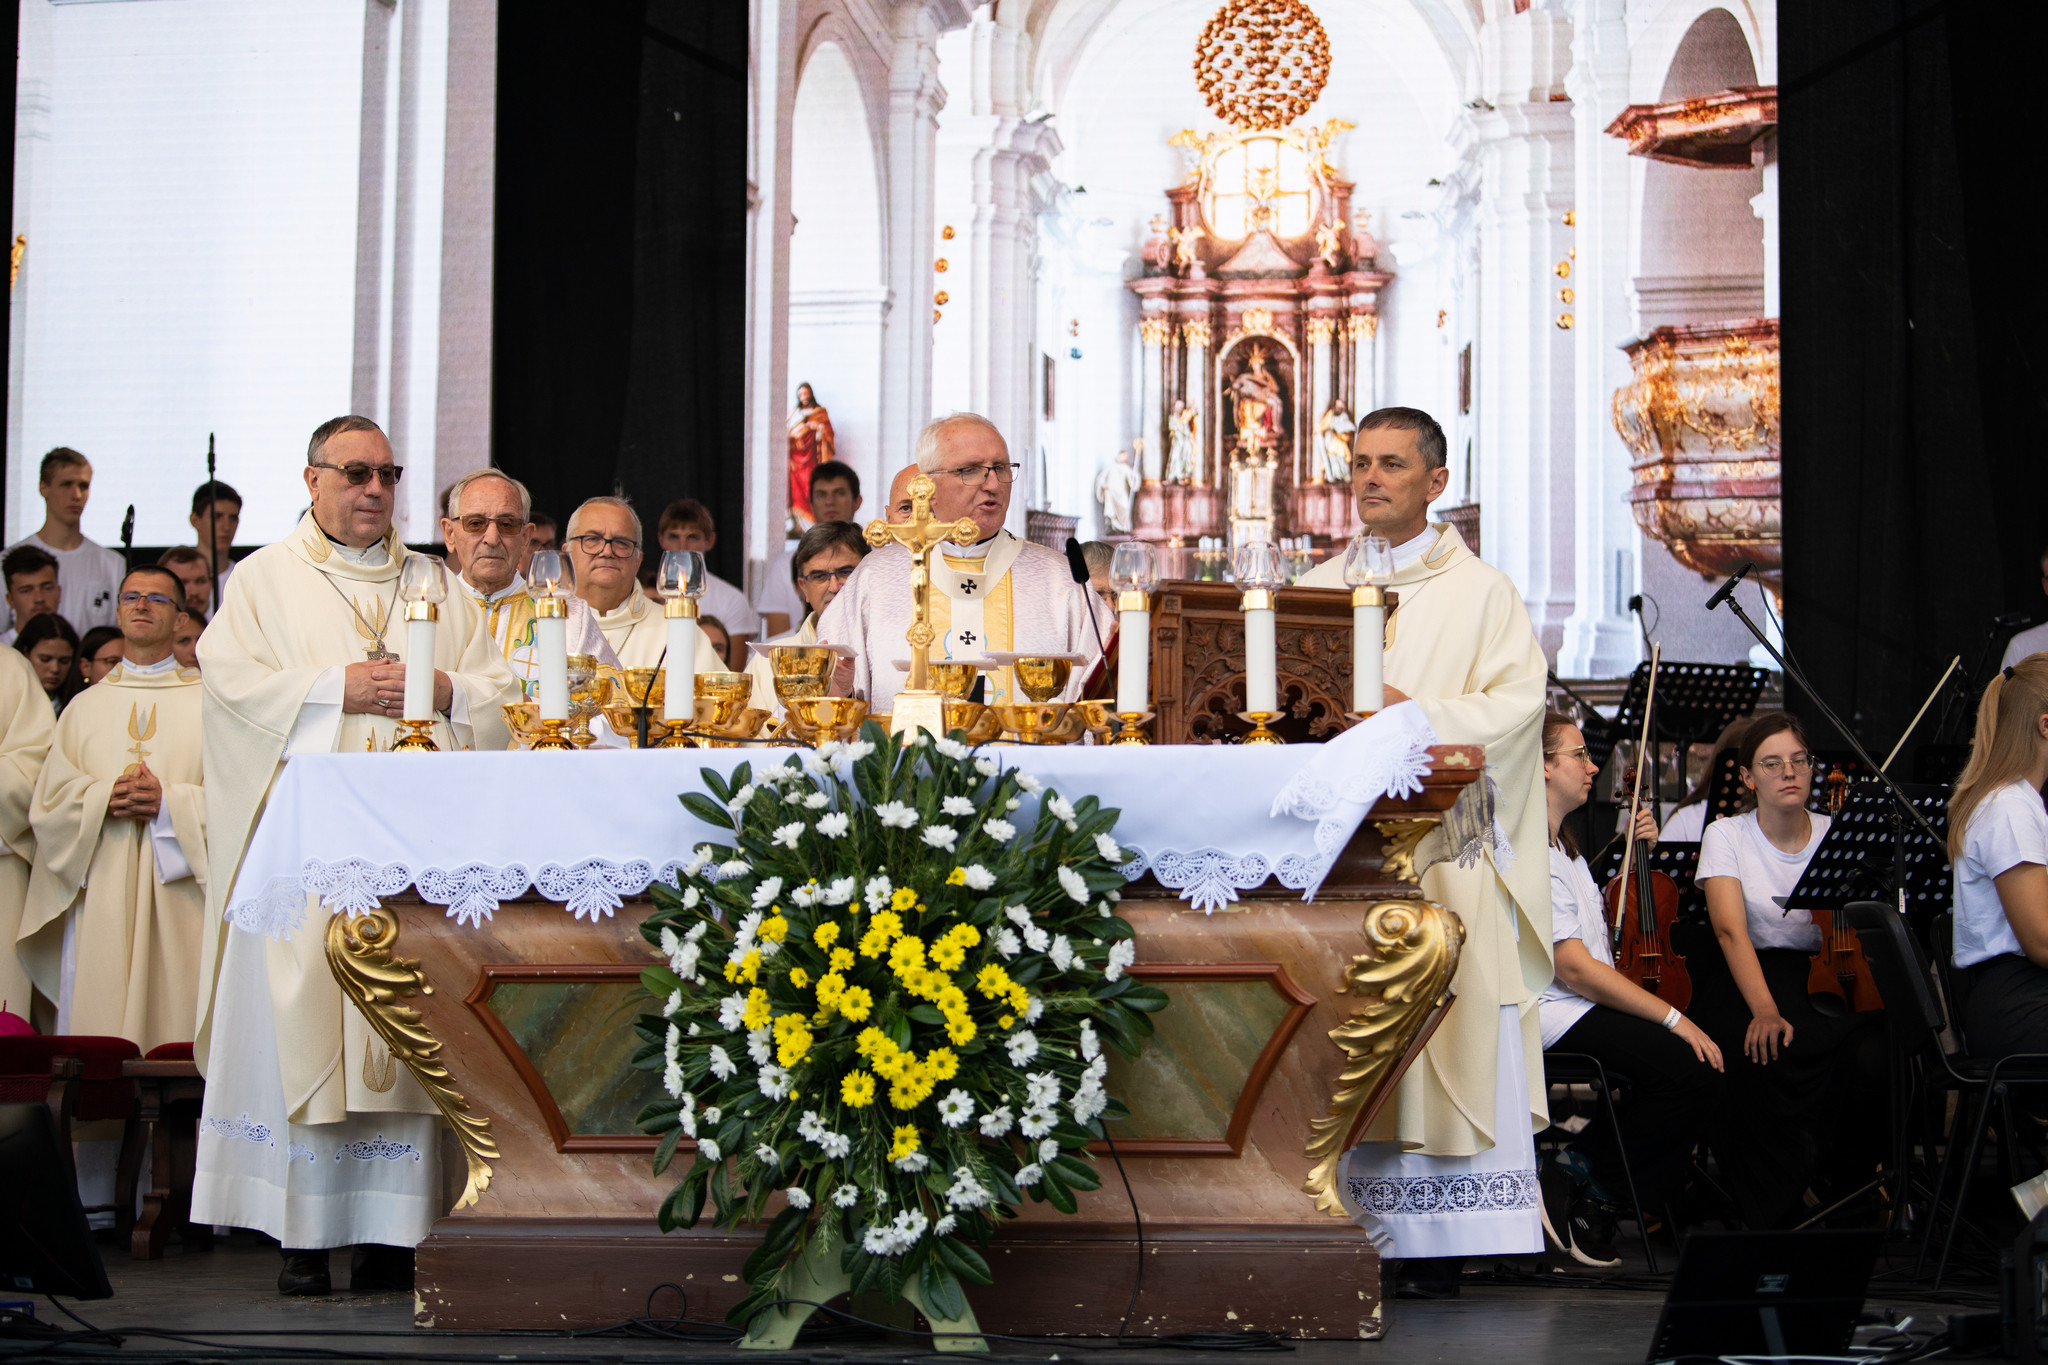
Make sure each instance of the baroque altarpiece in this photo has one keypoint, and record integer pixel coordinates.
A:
(1259, 319)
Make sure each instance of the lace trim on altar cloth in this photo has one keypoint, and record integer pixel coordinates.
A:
(1386, 755)
(589, 889)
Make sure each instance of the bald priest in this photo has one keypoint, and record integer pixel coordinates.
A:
(310, 1131)
(1000, 594)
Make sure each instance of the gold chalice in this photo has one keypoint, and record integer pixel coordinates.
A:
(589, 689)
(979, 723)
(529, 731)
(1099, 717)
(1042, 679)
(624, 718)
(1042, 722)
(953, 680)
(817, 719)
(802, 671)
(722, 704)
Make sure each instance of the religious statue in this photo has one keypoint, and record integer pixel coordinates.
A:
(1184, 240)
(1330, 242)
(1251, 498)
(1260, 405)
(1182, 443)
(810, 445)
(1115, 487)
(1334, 430)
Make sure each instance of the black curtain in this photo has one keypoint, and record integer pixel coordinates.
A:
(1915, 490)
(619, 346)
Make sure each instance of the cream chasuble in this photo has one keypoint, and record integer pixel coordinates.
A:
(26, 727)
(1032, 605)
(311, 1131)
(1460, 644)
(115, 906)
(638, 633)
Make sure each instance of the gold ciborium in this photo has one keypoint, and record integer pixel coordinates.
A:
(589, 689)
(801, 672)
(722, 711)
(1042, 679)
(954, 680)
(813, 720)
(529, 731)
(1043, 722)
(977, 723)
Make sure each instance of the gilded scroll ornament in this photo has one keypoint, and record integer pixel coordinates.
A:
(1195, 333)
(1154, 331)
(1397, 856)
(1404, 980)
(359, 954)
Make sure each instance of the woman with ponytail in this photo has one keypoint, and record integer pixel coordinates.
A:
(1998, 844)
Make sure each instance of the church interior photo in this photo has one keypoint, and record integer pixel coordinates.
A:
(1355, 671)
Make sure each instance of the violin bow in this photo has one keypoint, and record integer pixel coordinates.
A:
(1635, 801)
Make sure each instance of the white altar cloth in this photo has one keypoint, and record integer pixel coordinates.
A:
(469, 830)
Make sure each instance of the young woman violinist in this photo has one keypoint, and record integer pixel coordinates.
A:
(1672, 1066)
(1998, 844)
(1805, 1089)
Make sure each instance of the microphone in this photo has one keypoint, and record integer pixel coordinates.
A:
(127, 535)
(1727, 589)
(1077, 564)
(2013, 618)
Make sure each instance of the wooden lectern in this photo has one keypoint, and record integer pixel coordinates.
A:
(1198, 663)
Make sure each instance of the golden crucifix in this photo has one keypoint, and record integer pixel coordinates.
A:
(921, 535)
(141, 731)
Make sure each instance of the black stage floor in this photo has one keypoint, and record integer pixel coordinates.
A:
(1531, 1309)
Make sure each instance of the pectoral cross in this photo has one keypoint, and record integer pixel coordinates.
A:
(371, 628)
(921, 535)
(141, 731)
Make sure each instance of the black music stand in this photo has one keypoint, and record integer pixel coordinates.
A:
(1678, 861)
(1695, 703)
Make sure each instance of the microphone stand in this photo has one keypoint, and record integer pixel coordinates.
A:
(128, 540)
(212, 529)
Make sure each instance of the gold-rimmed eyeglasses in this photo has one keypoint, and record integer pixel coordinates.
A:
(1772, 766)
(1579, 753)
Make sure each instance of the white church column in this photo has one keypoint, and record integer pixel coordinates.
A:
(1765, 206)
(1361, 354)
(1319, 371)
(915, 98)
(1599, 638)
(1195, 337)
(771, 110)
(1152, 334)
(1522, 147)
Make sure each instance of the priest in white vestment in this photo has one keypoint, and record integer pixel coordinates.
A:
(1448, 1168)
(825, 557)
(26, 726)
(488, 526)
(117, 901)
(605, 550)
(310, 1131)
(1000, 594)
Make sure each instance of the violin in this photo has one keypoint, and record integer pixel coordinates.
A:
(1642, 948)
(1840, 970)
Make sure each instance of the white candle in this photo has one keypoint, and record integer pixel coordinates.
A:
(1133, 660)
(419, 668)
(551, 646)
(1368, 655)
(679, 680)
(1261, 659)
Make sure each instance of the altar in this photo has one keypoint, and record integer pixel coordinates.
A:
(495, 950)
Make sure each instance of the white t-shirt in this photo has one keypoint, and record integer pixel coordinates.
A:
(1575, 912)
(2009, 827)
(1735, 846)
(2032, 640)
(88, 578)
(778, 591)
(729, 605)
(1686, 824)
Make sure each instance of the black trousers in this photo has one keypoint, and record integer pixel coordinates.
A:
(1815, 1117)
(1669, 1097)
(2006, 1010)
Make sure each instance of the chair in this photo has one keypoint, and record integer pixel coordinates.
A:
(1580, 1068)
(1907, 984)
(79, 1076)
(169, 1092)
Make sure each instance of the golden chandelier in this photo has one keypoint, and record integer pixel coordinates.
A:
(1261, 63)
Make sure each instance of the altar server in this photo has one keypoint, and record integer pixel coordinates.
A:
(1000, 593)
(1805, 1089)
(486, 531)
(303, 659)
(1460, 645)
(113, 923)
(825, 557)
(1998, 844)
(91, 573)
(26, 726)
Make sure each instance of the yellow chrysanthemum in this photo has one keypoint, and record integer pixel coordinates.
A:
(855, 1003)
(871, 1041)
(904, 898)
(961, 1030)
(747, 969)
(905, 1142)
(775, 928)
(949, 953)
(1007, 1022)
(886, 925)
(857, 1090)
(825, 935)
(792, 1045)
(799, 978)
(943, 1063)
(758, 1011)
(841, 960)
(993, 981)
(957, 877)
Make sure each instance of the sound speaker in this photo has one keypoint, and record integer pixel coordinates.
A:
(45, 1245)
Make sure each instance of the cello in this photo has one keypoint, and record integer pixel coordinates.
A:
(1642, 948)
(1840, 972)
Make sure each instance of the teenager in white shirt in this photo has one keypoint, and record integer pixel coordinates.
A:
(1805, 1089)
(1998, 845)
(1672, 1066)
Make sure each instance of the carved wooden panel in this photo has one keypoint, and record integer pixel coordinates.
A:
(1198, 663)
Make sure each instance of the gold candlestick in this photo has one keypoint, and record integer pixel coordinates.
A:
(418, 734)
(1131, 727)
(1259, 733)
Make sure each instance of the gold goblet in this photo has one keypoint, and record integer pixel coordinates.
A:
(721, 703)
(954, 680)
(1042, 722)
(529, 731)
(1041, 680)
(589, 688)
(802, 671)
(1099, 717)
(817, 719)
(624, 718)
(977, 723)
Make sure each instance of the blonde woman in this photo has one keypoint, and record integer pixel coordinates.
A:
(1998, 843)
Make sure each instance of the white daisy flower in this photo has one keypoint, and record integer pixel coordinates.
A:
(722, 1066)
(1030, 783)
(759, 1048)
(1070, 882)
(712, 1114)
(833, 826)
(1114, 896)
(788, 834)
(691, 896)
(734, 867)
(1091, 1046)
(1042, 1088)
(671, 1005)
(805, 896)
(1106, 846)
(693, 1028)
(1036, 938)
(1036, 1123)
(1012, 804)
(1061, 808)
(1062, 952)
(1122, 954)
(978, 877)
(672, 1079)
(1048, 1149)
(966, 1192)
(1102, 909)
(841, 890)
(740, 799)
(1002, 831)
(1007, 943)
(817, 801)
(845, 1197)
(835, 1145)
(952, 749)
(767, 891)
(708, 1149)
(1022, 1046)
(797, 1196)
(1089, 1103)
(698, 861)
(913, 1163)
(809, 1126)
(686, 1117)
(1034, 1010)
(856, 751)
(878, 890)
(944, 1227)
(731, 1010)
(774, 1082)
(957, 805)
(910, 1225)
(956, 1109)
(987, 766)
(941, 836)
(1030, 1175)
(895, 815)
(996, 1122)
(769, 1157)
(878, 1242)
(1017, 915)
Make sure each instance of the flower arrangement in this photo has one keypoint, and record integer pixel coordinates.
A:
(886, 1002)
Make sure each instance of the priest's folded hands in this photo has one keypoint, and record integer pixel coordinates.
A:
(136, 795)
(378, 689)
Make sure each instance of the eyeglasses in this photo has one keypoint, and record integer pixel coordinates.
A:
(360, 474)
(508, 527)
(818, 578)
(972, 475)
(594, 545)
(155, 599)
(1578, 753)
(1772, 766)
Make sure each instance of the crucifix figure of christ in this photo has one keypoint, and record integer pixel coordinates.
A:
(921, 535)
